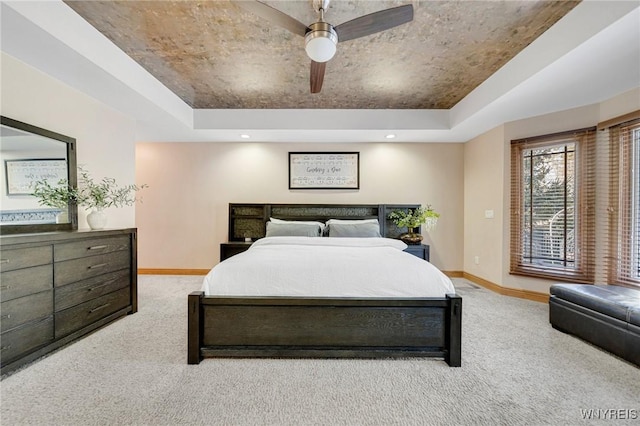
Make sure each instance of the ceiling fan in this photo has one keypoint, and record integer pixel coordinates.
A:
(321, 37)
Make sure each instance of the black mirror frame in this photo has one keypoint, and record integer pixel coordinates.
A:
(72, 176)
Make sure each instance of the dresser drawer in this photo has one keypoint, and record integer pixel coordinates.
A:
(75, 318)
(71, 271)
(13, 259)
(82, 291)
(24, 309)
(90, 247)
(22, 282)
(25, 339)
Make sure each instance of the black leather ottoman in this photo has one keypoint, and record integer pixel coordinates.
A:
(607, 316)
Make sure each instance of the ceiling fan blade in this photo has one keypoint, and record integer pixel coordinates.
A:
(374, 22)
(317, 75)
(273, 15)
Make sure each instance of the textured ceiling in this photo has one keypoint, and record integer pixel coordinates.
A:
(213, 54)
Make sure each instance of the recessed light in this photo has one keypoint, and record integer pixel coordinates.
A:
(245, 136)
(390, 136)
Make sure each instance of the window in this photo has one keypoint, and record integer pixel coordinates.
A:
(624, 265)
(552, 206)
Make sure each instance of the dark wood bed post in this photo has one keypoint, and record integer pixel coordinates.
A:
(194, 327)
(454, 331)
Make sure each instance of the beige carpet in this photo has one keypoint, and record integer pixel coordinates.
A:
(516, 370)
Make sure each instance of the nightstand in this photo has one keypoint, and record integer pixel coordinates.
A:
(231, 249)
(419, 250)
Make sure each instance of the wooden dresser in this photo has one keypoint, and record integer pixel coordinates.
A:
(56, 287)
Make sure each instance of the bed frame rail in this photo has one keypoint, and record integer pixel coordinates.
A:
(324, 328)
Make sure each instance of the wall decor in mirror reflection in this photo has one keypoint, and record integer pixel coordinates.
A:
(22, 174)
(30, 154)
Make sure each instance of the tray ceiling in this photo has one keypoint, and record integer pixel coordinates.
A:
(215, 55)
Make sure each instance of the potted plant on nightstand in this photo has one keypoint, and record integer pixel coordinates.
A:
(412, 219)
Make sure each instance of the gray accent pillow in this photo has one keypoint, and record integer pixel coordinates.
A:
(292, 230)
(320, 224)
(355, 230)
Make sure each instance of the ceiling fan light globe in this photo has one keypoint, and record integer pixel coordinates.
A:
(320, 42)
(320, 49)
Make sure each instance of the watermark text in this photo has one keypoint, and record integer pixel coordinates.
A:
(609, 414)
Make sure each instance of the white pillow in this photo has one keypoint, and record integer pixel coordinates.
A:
(337, 242)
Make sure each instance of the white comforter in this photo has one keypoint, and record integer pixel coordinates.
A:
(327, 267)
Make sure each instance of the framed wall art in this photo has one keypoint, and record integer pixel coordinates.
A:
(324, 170)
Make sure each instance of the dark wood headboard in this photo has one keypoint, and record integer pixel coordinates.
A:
(249, 220)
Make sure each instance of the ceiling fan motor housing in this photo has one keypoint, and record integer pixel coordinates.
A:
(321, 41)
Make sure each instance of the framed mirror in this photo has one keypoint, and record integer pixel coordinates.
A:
(29, 154)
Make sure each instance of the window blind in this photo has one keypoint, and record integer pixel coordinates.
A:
(553, 182)
(623, 261)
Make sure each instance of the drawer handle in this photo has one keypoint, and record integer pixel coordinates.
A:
(5, 348)
(5, 287)
(99, 265)
(98, 247)
(3, 261)
(7, 316)
(99, 307)
(101, 285)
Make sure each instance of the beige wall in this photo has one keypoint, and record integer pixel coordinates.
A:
(105, 139)
(184, 214)
(483, 172)
(487, 184)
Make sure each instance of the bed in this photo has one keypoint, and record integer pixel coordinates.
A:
(302, 296)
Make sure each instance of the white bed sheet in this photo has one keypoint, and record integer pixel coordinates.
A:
(327, 267)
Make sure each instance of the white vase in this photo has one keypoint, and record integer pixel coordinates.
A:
(97, 219)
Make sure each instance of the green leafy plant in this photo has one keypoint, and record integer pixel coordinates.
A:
(57, 196)
(90, 193)
(413, 218)
(104, 193)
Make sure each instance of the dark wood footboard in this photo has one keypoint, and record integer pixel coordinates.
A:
(324, 327)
